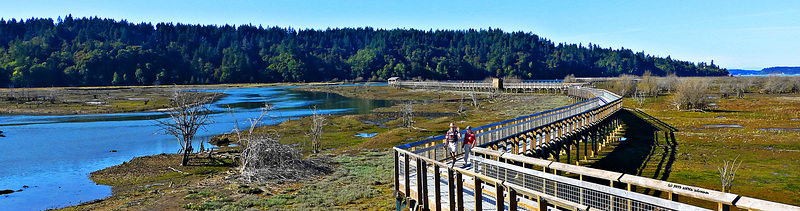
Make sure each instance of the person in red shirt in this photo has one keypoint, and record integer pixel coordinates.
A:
(468, 144)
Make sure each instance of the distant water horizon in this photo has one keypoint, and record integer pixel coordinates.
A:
(764, 75)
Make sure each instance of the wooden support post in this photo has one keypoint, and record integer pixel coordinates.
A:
(499, 201)
(516, 145)
(396, 171)
(723, 207)
(595, 145)
(478, 194)
(630, 188)
(425, 202)
(578, 150)
(512, 199)
(673, 197)
(420, 181)
(586, 146)
(558, 153)
(459, 191)
(450, 188)
(407, 175)
(569, 157)
(542, 203)
(437, 188)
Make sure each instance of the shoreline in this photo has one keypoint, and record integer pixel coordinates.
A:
(102, 100)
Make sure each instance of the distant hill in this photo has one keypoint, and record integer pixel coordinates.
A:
(780, 70)
(766, 71)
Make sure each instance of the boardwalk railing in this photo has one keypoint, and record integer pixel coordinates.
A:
(434, 147)
(414, 173)
(508, 167)
(580, 192)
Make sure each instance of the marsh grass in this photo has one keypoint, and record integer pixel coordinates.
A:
(769, 158)
(360, 181)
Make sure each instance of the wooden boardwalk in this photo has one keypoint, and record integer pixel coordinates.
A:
(518, 162)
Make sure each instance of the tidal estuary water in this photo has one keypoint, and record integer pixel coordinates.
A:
(49, 158)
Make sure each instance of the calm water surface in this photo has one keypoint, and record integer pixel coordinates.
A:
(54, 155)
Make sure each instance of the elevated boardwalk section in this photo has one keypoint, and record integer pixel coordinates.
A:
(516, 164)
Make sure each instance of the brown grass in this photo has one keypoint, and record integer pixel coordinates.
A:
(769, 157)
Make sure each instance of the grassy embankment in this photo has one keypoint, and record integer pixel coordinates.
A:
(362, 176)
(761, 130)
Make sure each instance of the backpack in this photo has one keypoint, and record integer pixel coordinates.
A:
(451, 135)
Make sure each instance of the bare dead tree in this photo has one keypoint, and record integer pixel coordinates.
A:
(727, 173)
(315, 132)
(461, 105)
(639, 98)
(53, 95)
(189, 113)
(473, 96)
(408, 115)
(493, 95)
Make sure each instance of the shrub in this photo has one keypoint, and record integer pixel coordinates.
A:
(691, 93)
(624, 85)
(648, 85)
(777, 85)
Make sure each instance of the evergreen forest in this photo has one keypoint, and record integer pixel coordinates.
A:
(41, 52)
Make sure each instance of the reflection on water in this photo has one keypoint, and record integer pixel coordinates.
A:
(366, 135)
(722, 126)
(54, 155)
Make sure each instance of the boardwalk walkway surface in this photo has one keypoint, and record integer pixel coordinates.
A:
(469, 201)
(518, 161)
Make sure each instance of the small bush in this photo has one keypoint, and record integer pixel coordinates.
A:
(624, 85)
(211, 205)
(193, 194)
(250, 190)
(691, 94)
(280, 199)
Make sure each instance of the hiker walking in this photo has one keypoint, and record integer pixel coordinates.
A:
(452, 137)
(468, 144)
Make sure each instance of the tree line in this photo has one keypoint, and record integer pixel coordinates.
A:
(96, 51)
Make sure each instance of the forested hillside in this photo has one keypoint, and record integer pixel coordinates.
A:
(96, 52)
(781, 70)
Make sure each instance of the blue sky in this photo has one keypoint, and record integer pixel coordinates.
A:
(735, 34)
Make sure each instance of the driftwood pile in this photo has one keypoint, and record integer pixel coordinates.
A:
(265, 159)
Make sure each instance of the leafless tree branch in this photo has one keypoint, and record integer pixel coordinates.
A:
(189, 113)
